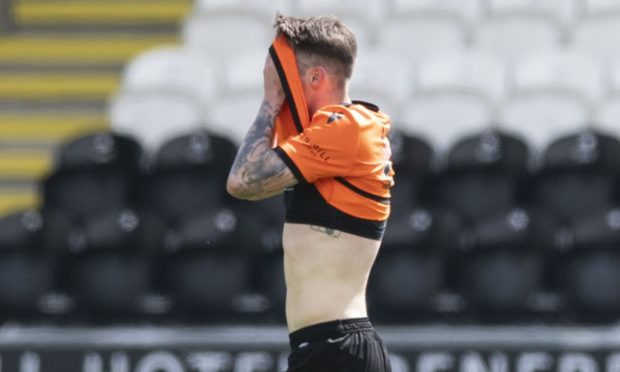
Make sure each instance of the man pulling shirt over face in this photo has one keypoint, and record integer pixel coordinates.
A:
(332, 156)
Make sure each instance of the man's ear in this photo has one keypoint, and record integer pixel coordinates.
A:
(317, 76)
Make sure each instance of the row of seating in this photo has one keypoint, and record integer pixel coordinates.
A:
(171, 90)
(497, 271)
(489, 63)
(510, 27)
(472, 10)
(478, 235)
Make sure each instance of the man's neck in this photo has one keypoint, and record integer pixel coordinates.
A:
(338, 98)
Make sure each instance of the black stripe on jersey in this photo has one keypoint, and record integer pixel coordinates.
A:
(361, 192)
(287, 89)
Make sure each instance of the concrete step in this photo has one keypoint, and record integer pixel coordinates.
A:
(71, 50)
(25, 164)
(57, 87)
(114, 12)
(14, 199)
(47, 127)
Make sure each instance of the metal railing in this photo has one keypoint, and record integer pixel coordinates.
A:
(7, 20)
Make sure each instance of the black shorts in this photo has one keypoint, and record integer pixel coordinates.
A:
(350, 345)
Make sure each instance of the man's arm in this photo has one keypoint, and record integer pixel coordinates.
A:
(258, 172)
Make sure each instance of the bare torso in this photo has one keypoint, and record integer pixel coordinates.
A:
(326, 274)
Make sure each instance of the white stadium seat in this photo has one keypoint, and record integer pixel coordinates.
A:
(373, 69)
(598, 31)
(370, 11)
(361, 18)
(154, 117)
(608, 112)
(515, 28)
(241, 96)
(244, 72)
(234, 114)
(563, 10)
(172, 68)
(455, 94)
(264, 8)
(417, 35)
(554, 93)
(219, 36)
(469, 10)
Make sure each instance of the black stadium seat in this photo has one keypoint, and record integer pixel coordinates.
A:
(200, 149)
(206, 285)
(483, 175)
(579, 174)
(208, 267)
(100, 149)
(109, 267)
(26, 270)
(93, 173)
(587, 269)
(188, 176)
(500, 269)
(412, 159)
(409, 274)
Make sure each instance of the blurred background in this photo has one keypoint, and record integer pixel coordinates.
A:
(119, 121)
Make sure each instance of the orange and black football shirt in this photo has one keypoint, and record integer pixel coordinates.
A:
(340, 156)
(342, 161)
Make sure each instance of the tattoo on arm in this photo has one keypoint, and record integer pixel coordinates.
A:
(331, 232)
(259, 172)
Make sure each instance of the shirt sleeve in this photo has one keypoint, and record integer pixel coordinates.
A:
(326, 148)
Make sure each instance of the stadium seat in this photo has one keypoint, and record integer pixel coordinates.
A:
(608, 110)
(553, 95)
(198, 149)
(153, 117)
(262, 237)
(413, 161)
(520, 27)
(469, 10)
(598, 30)
(216, 228)
(420, 33)
(587, 271)
(261, 223)
(188, 176)
(97, 150)
(483, 175)
(174, 69)
(455, 94)
(241, 96)
(413, 252)
(26, 270)
(222, 35)
(272, 285)
(578, 176)
(366, 86)
(500, 273)
(263, 8)
(563, 10)
(110, 270)
(94, 172)
(21, 229)
(207, 284)
(363, 20)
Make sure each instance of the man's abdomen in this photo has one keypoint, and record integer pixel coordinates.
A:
(326, 275)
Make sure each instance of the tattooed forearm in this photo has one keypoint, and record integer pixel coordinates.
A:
(258, 172)
(325, 230)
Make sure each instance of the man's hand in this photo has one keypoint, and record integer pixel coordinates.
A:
(274, 93)
(258, 172)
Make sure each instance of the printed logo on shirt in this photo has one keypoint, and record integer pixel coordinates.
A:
(315, 149)
(334, 116)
